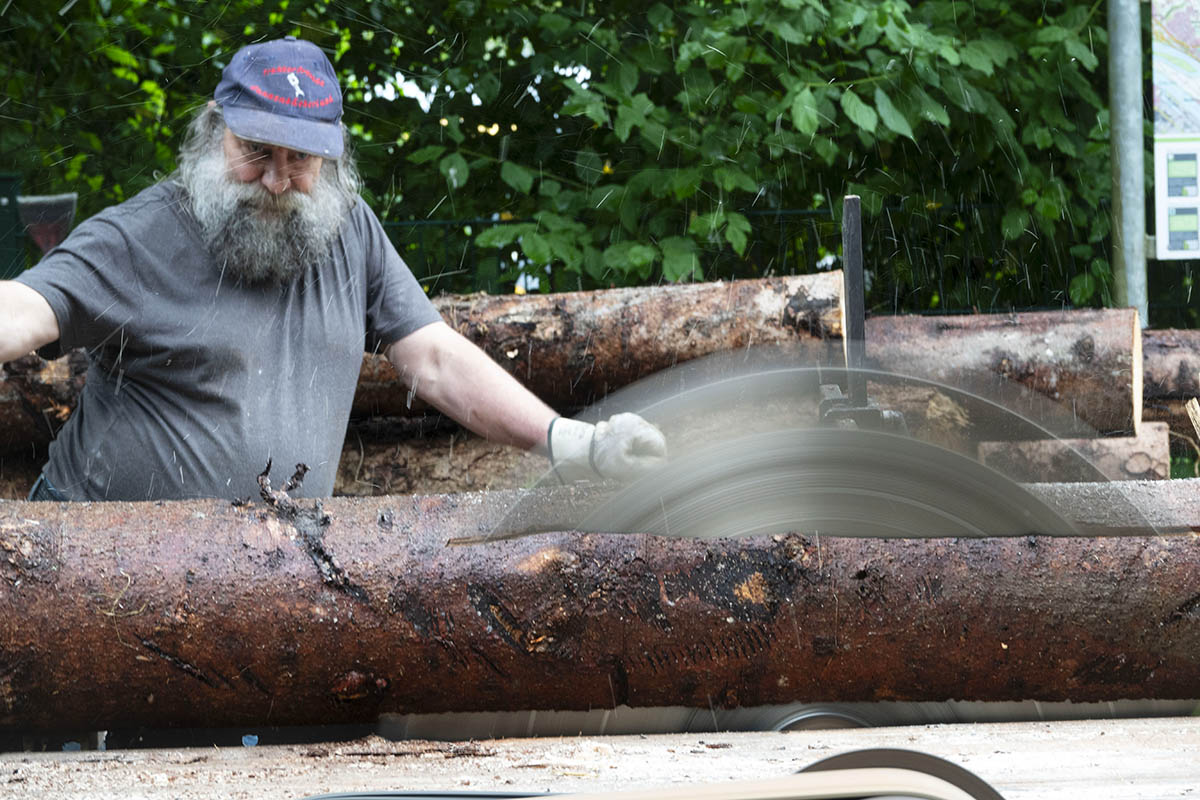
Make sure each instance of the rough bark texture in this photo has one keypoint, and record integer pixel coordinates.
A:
(1062, 368)
(1172, 376)
(571, 349)
(1172, 360)
(201, 614)
(1146, 456)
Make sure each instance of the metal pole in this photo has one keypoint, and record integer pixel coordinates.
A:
(854, 331)
(1128, 164)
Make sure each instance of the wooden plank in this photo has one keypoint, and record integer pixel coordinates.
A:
(1137, 759)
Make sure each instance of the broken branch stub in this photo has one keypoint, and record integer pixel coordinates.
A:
(116, 615)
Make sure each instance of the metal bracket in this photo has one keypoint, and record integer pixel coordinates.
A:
(854, 406)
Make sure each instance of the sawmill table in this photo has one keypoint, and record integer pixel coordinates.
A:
(1132, 759)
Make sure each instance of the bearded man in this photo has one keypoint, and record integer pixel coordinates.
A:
(225, 311)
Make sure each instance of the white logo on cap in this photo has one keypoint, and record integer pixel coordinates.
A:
(295, 82)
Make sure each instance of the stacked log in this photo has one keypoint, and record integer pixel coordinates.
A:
(1172, 377)
(1078, 374)
(199, 613)
(1071, 371)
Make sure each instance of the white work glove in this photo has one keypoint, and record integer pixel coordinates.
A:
(622, 448)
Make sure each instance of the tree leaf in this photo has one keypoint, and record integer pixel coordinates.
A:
(1081, 53)
(1082, 288)
(629, 256)
(892, 117)
(554, 24)
(729, 178)
(1052, 34)
(454, 168)
(976, 56)
(563, 246)
(516, 176)
(859, 112)
(737, 231)
(804, 112)
(1014, 222)
(680, 261)
(426, 154)
(502, 235)
(685, 182)
(786, 31)
(536, 248)
(929, 108)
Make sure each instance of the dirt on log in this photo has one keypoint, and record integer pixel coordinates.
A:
(117, 615)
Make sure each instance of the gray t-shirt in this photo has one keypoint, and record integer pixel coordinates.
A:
(195, 379)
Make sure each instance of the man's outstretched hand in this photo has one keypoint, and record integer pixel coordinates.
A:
(622, 448)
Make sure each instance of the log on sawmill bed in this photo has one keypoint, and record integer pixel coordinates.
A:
(203, 614)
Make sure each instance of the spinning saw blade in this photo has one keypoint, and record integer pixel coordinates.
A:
(826, 482)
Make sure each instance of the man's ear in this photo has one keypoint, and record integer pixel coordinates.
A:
(212, 103)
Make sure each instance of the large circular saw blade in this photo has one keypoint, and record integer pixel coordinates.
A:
(837, 482)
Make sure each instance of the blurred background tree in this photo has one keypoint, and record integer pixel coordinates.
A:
(574, 144)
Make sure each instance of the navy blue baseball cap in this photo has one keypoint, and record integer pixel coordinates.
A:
(283, 92)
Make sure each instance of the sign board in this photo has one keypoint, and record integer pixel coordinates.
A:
(1175, 53)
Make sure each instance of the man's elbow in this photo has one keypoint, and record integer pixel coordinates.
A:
(28, 322)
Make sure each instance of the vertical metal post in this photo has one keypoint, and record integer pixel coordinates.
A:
(1128, 154)
(853, 290)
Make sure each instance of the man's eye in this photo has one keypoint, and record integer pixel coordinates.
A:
(298, 156)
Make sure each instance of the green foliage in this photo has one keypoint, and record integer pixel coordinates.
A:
(634, 142)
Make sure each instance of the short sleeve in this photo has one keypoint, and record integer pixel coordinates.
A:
(88, 282)
(396, 304)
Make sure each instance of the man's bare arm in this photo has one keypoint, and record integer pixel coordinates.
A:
(26, 321)
(450, 373)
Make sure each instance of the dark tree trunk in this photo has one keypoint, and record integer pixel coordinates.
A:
(201, 614)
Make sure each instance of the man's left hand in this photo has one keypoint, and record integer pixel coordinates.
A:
(622, 448)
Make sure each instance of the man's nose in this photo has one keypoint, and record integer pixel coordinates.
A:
(276, 175)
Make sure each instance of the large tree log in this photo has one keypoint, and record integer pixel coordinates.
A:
(1071, 371)
(1172, 376)
(202, 614)
(570, 349)
(1078, 360)
(573, 349)
(1172, 366)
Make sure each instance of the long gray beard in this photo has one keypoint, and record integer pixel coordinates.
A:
(257, 237)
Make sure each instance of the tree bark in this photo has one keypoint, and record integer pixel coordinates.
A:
(1172, 377)
(570, 349)
(575, 348)
(116, 615)
(1172, 363)
(1076, 373)
(1074, 369)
